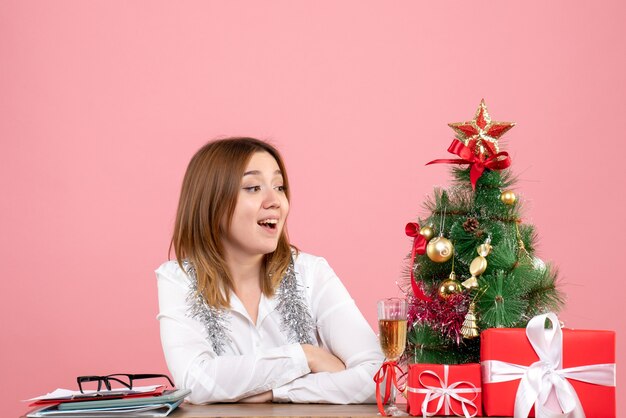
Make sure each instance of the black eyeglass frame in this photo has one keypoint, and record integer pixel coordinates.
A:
(117, 378)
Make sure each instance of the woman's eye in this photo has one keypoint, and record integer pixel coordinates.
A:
(281, 188)
(252, 188)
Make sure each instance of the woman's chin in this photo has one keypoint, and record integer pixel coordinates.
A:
(269, 249)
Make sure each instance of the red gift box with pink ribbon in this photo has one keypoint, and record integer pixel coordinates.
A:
(546, 371)
(444, 390)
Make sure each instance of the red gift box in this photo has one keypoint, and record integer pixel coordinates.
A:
(444, 390)
(595, 350)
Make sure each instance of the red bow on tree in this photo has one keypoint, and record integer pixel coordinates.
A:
(412, 229)
(478, 163)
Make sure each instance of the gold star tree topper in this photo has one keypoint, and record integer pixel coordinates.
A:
(481, 134)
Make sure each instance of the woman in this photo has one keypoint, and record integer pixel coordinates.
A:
(244, 316)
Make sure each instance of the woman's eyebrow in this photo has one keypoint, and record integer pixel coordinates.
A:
(258, 173)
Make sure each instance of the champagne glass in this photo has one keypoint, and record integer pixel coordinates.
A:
(392, 315)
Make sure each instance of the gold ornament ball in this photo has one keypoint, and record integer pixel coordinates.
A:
(508, 197)
(439, 249)
(449, 287)
(427, 232)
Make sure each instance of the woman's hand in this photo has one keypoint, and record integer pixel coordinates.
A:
(259, 398)
(321, 360)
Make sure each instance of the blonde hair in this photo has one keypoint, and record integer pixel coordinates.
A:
(208, 197)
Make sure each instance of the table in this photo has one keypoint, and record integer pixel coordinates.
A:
(280, 410)
(276, 410)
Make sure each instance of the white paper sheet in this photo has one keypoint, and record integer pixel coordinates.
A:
(67, 393)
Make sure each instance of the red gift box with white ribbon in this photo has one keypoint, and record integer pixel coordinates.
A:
(444, 390)
(548, 371)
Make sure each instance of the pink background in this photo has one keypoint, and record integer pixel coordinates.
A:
(102, 103)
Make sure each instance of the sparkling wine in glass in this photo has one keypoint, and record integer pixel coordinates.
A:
(392, 315)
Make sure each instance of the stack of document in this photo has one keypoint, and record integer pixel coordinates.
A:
(146, 401)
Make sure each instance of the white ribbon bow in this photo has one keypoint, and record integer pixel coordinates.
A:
(542, 377)
(445, 393)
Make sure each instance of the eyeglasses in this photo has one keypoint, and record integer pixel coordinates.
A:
(125, 380)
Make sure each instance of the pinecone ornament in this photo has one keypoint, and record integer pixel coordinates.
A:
(471, 225)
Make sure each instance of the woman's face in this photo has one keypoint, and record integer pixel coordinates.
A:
(261, 209)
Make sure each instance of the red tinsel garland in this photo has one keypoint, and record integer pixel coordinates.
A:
(445, 316)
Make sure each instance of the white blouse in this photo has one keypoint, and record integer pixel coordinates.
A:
(260, 357)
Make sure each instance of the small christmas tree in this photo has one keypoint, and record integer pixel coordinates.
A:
(472, 264)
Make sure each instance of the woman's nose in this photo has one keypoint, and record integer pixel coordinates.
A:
(271, 198)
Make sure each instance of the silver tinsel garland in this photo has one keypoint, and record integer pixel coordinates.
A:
(296, 320)
(215, 320)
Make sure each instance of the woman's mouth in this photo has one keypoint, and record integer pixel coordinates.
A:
(270, 224)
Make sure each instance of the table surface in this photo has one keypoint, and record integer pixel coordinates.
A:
(279, 410)
(276, 410)
(284, 410)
